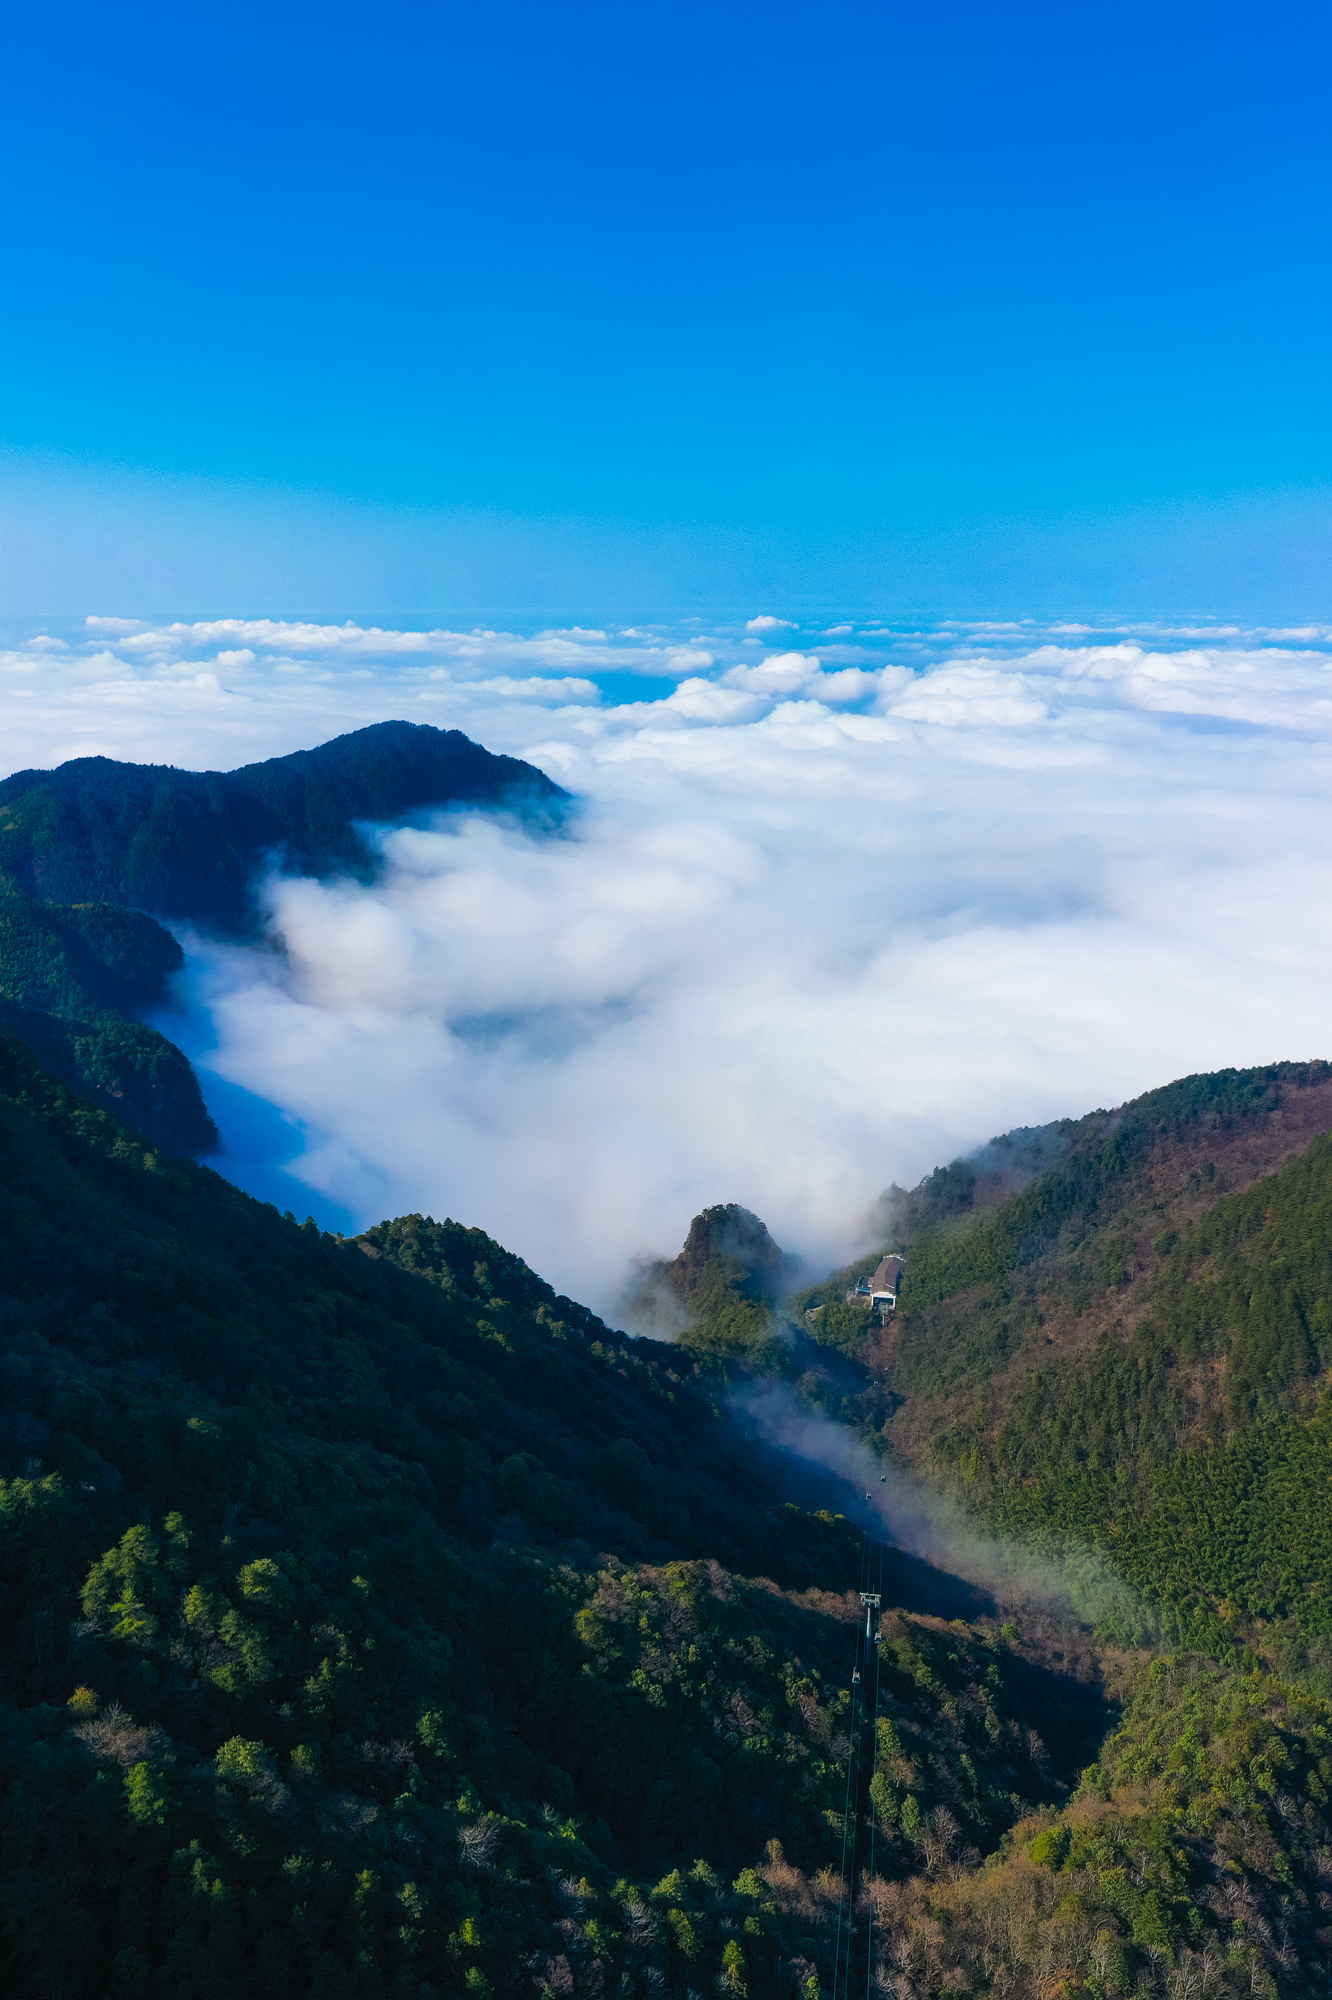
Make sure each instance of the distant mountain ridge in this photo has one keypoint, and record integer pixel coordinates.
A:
(187, 845)
(93, 852)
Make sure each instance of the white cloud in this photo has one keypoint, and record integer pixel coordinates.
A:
(765, 623)
(277, 634)
(801, 959)
(851, 684)
(974, 696)
(780, 673)
(539, 688)
(812, 930)
(698, 700)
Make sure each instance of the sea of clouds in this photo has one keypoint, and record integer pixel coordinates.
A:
(839, 900)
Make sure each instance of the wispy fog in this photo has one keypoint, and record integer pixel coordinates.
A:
(926, 1522)
(839, 903)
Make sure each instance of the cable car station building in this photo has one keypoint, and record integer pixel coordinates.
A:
(879, 1291)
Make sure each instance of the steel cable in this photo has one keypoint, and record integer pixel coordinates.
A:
(852, 1763)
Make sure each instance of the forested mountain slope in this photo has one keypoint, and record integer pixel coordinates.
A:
(720, 1291)
(72, 978)
(1112, 1345)
(187, 845)
(378, 1622)
(1132, 1352)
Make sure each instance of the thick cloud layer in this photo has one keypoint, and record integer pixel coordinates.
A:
(838, 904)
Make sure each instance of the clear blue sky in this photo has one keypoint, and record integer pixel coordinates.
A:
(819, 270)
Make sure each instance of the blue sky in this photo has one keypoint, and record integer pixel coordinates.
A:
(518, 304)
(669, 325)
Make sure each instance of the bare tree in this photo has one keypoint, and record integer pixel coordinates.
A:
(478, 1842)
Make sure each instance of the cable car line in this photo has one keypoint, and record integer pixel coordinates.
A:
(851, 1812)
(874, 1765)
(864, 1711)
(867, 1661)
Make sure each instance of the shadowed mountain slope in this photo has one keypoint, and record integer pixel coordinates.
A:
(186, 845)
(71, 976)
(87, 850)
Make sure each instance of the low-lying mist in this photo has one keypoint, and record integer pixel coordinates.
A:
(927, 1522)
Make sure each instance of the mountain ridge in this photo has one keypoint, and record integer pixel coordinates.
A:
(93, 852)
(187, 845)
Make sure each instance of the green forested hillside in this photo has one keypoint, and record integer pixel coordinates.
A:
(1131, 1353)
(1124, 1355)
(1195, 1443)
(72, 976)
(1194, 1859)
(380, 1623)
(719, 1293)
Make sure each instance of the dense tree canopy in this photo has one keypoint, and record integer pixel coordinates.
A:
(372, 1609)
(72, 976)
(381, 1623)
